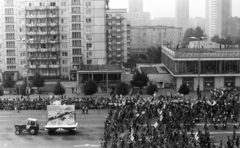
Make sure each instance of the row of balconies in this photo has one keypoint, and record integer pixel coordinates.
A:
(43, 58)
(118, 49)
(41, 7)
(115, 36)
(42, 41)
(43, 50)
(114, 43)
(115, 30)
(41, 24)
(114, 17)
(34, 16)
(115, 56)
(45, 66)
(42, 32)
(114, 24)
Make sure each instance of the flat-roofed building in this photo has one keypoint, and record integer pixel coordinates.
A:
(218, 67)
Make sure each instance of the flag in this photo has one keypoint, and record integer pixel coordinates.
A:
(155, 94)
(130, 92)
(155, 125)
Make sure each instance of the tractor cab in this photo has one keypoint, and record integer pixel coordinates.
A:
(29, 125)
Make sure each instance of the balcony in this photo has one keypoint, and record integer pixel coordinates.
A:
(31, 33)
(31, 16)
(32, 66)
(42, 33)
(53, 24)
(52, 7)
(53, 41)
(30, 8)
(42, 16)
(54, 66)
(32, 41)
(41, 24)
(41, 7)
(43, 66)
(119, 43)
(53, 32)
(53, 49)
(30, 25)
(52, 15)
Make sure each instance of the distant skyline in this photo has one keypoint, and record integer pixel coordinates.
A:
(166, 8)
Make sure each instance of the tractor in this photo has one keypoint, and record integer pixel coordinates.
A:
(30, 125)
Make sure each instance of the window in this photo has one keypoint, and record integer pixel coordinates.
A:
(76, 34)
(88, 11)
(118, 15)
(76, 18)
(22, 54)
(76, 59)
(63, 3)
(23, 62)
(9, 19)
(88, 28)
(8, 2)
(62, 20)
(64, 37)
(89, 37)
(10, 44)
(64, 45)
(88, 20)
(89, 61)
(89, 45)
(65, 70)
(11, 52)
(76, 51)
(64, 54)
(76, 10)
(10, 36)
(88, 3)
(11, 67)
(89, 53)
(76, 2)
(52, 4)
(11, 61)
(9, 27)
(76, 43)
(8, 11)
(64, 62)
(76, 26)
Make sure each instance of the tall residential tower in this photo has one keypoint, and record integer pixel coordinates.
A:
(135, 5)
(218, 13)
(182, 14)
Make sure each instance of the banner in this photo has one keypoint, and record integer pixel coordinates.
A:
(61, 115)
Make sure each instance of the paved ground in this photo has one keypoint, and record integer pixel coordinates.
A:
(87, 136)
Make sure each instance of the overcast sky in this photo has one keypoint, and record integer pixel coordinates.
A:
(166, 8)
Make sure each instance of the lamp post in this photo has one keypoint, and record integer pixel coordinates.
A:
(199, 65)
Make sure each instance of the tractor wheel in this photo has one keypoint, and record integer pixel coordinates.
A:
(50, 132)
(71, 131)
(32, 131)
(17, 132)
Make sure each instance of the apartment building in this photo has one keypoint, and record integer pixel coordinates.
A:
(53, 37)
(117, 35)
(182, 14)
(143, 37)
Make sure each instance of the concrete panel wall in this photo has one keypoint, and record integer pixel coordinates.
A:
(179, 82)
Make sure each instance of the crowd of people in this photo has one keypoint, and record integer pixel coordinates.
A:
(130, 124)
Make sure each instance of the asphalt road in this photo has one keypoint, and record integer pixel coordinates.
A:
(88, 134)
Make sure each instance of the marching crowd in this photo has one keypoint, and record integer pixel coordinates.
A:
(130, 124)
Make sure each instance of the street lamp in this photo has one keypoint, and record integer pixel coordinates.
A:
(199, 66)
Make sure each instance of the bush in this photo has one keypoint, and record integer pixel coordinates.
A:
(184, 89)
(89, 88)
(59, 89)
(122, 89)
(151, 88)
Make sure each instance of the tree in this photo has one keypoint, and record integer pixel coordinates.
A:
(188, 34)
(90, 87)
(8, 81)
(215, 39)
(23, 88)
(198, 32)
(59, 89)
(38, 81)
(151, 88)
(122, 89)
(184, 89)
(139, 79)
(154, 54)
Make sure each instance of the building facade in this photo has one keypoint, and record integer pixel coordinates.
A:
(116, 35)
(54, 38)
(148, 36)
(139, 18)
(135, 6)
(218, 67)
(217, 17)
(182, 14)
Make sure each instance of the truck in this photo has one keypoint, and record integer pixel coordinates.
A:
(61, 117)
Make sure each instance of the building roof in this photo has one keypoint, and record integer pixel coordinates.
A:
(204, 53)
(101, 68)
(152, 68)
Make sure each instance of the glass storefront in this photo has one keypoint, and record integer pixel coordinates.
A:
(229, 81)
(189, 82)
(208, 83)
